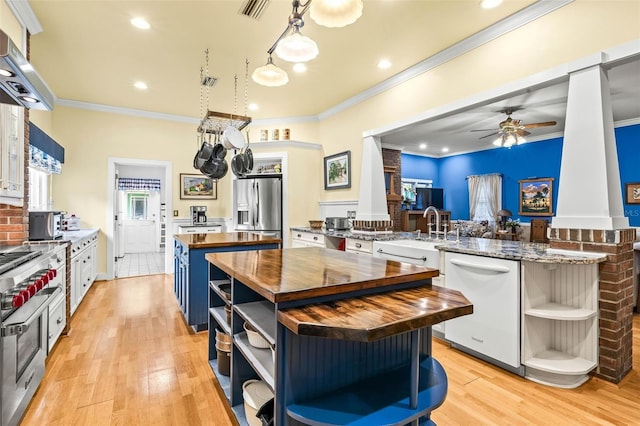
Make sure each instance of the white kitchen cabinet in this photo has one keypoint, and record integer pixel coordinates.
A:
(84, 268)
(57, 320)
(559, 322)
(11, 155)
(307, 239)
(199, 229)
(357, 246)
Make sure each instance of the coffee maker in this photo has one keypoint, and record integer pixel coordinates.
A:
(198, 215)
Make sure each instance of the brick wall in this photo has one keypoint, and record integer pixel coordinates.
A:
(392, 157)
(615, 293)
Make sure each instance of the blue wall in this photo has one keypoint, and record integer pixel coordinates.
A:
(538, 159)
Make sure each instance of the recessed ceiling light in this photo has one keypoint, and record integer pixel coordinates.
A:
(299, 67)
(6, 73)
(384, 64)
(490, 4)
(140, 85)
(253, 107)
(140, 23)
(423, 145)
(445, 149)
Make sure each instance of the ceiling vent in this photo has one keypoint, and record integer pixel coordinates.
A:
(208, 81)
(253, 8)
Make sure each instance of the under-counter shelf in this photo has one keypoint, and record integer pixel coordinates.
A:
(218, 313)
(262, 316)
(225, 384)
(365, 402)
(215, 286)
(260, 359)
(553, 361)
(557, 311)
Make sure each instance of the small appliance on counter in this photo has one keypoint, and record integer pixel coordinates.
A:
(198, 215)
(45, 225)
(70, 222)
(337, 223)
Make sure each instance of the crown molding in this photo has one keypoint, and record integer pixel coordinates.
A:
(126, 111)
(21, 9)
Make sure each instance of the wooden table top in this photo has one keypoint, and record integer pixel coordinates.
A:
(372, 317)
(225, 239)
(300, 273)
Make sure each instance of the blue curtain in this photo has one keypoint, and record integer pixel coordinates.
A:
(138, 183)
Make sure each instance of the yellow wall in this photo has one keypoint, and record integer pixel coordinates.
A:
(579, 29)
(10, 25)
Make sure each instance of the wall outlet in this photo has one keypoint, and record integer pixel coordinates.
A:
(175, 213)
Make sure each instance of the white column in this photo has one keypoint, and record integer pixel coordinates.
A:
(372, 204)
(589, 191)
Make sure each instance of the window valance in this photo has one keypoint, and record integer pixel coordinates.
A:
(138, 183)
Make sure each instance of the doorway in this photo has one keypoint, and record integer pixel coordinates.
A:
(139, 197)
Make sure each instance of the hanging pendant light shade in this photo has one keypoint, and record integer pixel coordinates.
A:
(270, 75)
(335, 13)
(297, 48)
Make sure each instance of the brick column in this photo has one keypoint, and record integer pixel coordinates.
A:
(615, 289)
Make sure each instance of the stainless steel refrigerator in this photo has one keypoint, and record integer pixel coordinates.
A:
(257, 205)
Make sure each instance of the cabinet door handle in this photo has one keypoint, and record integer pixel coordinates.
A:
(299, 236)
(315, 238)
(358, 245)
(59, 320)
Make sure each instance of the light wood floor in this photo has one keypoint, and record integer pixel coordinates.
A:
(131, 360)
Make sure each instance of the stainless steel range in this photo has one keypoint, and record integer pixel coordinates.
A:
(32, 277)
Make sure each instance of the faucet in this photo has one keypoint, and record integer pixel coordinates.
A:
(433, 209)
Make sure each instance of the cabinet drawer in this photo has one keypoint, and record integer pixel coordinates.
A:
(309, 237)
(57, 321)
(361, 246)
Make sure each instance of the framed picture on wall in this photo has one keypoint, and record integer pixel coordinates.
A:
(632, 193)
(337, 171)
(197, 187)
(536, 197)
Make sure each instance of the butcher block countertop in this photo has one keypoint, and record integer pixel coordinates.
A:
(372, 317)
(350, 296)
(225, 239)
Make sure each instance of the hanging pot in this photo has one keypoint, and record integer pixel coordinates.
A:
(219, 151)
(247, 157)
(232, 138)
(237, 166)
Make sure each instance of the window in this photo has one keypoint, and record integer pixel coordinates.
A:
(138, 205)
(38, 190)
(485, 193)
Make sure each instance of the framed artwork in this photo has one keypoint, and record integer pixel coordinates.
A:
(536, 197)
(337, 171)
(197, 187)
(632, 191)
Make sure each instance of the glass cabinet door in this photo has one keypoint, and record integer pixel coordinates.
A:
(12, 152)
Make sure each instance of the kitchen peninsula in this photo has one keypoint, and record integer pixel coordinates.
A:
(190, 276)
(344, 327)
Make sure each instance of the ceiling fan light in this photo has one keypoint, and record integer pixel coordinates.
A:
(510, 140)
(270, 75)
(335, 13)
(498, 141)
(297, 48)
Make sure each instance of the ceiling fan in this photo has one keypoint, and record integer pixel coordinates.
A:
(511, 131)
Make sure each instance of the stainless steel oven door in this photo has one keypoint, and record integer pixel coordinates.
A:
(24, 348)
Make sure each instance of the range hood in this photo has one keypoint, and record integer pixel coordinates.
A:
(20, 84)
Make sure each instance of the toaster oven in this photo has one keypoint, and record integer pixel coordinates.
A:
(45, 225)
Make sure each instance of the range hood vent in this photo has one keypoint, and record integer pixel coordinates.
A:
(253, 8)
(20, 83)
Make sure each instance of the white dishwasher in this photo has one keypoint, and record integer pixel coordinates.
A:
(492, 332)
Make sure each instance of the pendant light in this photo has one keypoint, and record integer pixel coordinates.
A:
(297, 48)
(335, 13)
(270, 75)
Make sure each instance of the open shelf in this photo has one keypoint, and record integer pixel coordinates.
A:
(225, 384)
(260, 359)
(262, 316)
(220, 316)
(553, 361)
(382, 399)
(557, 311)
(214, 285)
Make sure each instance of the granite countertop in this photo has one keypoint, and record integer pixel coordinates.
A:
(503, 249)
(73, 236)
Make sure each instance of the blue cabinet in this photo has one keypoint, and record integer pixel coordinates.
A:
(191, 279)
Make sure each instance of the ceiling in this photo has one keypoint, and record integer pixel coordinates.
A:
(89, 52)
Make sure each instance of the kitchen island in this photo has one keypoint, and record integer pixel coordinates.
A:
(190, 267)
(352, 334)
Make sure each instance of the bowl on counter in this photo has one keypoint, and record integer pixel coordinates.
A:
(316, 224)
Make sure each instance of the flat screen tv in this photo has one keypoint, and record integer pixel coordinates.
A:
(426, 197)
